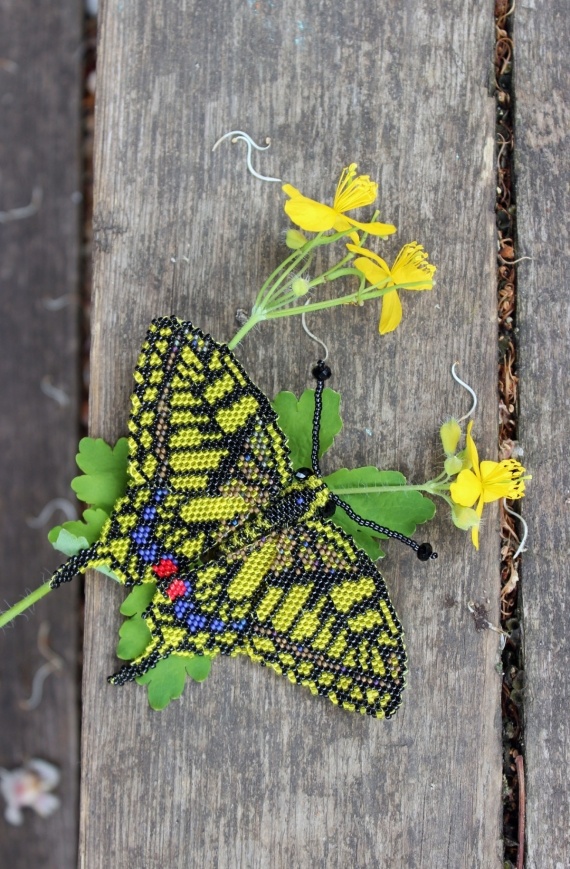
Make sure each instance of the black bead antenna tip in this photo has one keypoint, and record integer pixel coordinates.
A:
(425, 552)
(321, 372)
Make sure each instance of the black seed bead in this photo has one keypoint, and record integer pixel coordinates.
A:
(424, 551)
(328, 510)
(321, 371)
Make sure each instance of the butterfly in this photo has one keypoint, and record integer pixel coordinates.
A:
(242, 548)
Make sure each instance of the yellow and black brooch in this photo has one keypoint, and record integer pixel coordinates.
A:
(240, 546)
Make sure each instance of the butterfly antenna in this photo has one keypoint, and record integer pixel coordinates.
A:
(424, 551)
(321, 372)
(73, 566)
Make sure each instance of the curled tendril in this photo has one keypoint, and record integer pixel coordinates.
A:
(466, 386)
(240, 136)
(522, 544)
(314, 337)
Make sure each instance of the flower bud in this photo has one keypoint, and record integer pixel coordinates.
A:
(464, 517)
(452, 465)
(450, 433)
(295, 239)
(300, 287)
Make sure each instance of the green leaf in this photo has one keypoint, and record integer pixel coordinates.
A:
(165, 682)
(198, 668)
(134, 633)
(106, 571)
(134, 638)
(399, 511)
(63, 541)
(139, 599)
(104, 477)
(72, 537)
(296, 422)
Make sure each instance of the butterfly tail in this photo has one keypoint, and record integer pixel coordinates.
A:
(128, 673)
(74, 565)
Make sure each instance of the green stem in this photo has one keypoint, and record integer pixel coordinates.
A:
(430, 487)
(333, 274)
(247, 326)
(351, 299)
(23, 605)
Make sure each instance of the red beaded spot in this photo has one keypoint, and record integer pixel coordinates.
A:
(176, 589)
(165, 568)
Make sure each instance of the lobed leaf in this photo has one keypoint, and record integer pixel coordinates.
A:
(134, 638)
(138, 599)
(104, 477)
(296, 422)
(71, 537)
(166, 681)
(399, 511)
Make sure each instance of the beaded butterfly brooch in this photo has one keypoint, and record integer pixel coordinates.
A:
(239, 544)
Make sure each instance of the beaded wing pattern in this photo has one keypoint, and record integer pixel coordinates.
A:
(238, 544)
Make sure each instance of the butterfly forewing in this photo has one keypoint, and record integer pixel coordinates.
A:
(205, 454)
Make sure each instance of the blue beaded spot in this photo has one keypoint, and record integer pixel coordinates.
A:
(150, 554)
(195, 622)
(181, 607)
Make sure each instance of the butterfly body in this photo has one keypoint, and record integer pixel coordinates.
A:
(239, 545)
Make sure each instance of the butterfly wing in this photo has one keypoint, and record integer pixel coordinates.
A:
(326, 622)
(303, 601)
(205, 453)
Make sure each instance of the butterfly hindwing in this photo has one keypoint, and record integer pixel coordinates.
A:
(303, 601)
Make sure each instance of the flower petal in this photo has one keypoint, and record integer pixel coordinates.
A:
(373, 273)
(391, 313)
(308, 214)
(381, 229)
(475, 529)
(471, 450)
(466, 489)
(353, 248)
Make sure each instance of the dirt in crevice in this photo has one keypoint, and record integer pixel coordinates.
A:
(508, 445)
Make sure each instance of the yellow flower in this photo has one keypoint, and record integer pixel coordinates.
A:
(410, 267)
(486, 482)
(353, 191)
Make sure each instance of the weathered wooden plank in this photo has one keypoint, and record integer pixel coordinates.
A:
(542, 80)
(246, 770)
(39, 256)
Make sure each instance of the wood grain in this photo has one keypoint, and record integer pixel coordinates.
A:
(40, 51)
(246, 770)
(542, 81)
